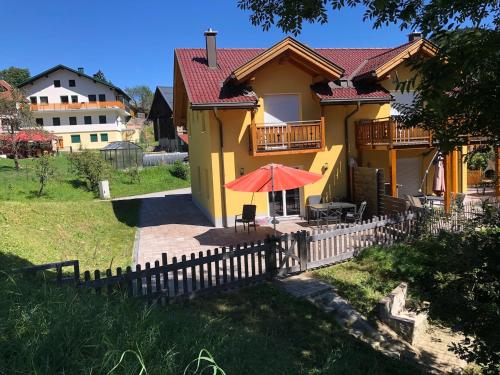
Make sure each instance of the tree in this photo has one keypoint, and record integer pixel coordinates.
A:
(99, 75)
(141, 97)
(44, 170)
(456, 89)
(15, 76)
(15, 115)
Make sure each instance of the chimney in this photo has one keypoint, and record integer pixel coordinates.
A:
(80, 70)
(414, 36)
(211, 48)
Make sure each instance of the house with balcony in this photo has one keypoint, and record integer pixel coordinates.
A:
(84, 112)
(323, 110)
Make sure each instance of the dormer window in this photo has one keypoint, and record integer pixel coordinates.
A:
(57, 83)
(72, 83)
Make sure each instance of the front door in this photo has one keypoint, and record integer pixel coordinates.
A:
(286, 202)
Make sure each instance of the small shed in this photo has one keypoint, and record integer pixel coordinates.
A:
(123, 154)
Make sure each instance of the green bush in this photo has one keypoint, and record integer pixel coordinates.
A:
(90, 166)
(180, 170)
(478, 159)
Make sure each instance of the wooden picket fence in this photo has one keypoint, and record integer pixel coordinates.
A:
(240, 265)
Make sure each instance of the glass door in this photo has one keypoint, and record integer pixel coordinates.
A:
(286, 202)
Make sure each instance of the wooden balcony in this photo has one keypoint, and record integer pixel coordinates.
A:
(287, 138)
(388, 133)
(79, 106)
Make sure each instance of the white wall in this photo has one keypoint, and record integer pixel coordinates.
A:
(44, 86)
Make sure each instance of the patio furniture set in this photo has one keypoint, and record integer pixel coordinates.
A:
(327, 213)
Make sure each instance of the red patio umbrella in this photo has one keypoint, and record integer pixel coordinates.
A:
(272, 177)
(439, 185)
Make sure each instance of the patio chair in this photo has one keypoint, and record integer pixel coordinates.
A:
(246, 217)
(356, 216)
(414, 201)
(312, 199)
(331, 216)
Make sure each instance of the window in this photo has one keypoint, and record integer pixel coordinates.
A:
(104, 137)
(57, 83)
(102, 97)
(39, 121)
(56, 121)
(75, 138)
(93, 138)
(72, 83)
(74, 98)
(92, 98)
(87, 120)
(64, 99)
(72, 120)
(33, 99)
(102, 119)
(44, 99)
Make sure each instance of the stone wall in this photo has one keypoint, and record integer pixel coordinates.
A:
(391, 310)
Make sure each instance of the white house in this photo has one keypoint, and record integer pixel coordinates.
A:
(84, 112)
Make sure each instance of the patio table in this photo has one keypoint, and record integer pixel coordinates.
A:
(319, 208)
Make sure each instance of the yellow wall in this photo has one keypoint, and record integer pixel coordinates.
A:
(85, 139)
(279, 78)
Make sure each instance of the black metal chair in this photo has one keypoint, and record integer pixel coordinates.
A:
(312, 199)
(246, 217)
(330, 216)
(356, 216)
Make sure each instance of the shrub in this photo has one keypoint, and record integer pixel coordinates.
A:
(478, 159)
(89, 166)
(44, 170)
(179, 170)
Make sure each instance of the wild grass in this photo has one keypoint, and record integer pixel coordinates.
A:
(259, 330)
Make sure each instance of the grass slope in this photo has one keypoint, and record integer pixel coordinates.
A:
(65, 186)
(96, 233)
(258, 330)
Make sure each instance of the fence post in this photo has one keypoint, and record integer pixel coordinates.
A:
(302, 246)
(270, 257)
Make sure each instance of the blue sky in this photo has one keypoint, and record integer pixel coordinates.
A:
(132, 41)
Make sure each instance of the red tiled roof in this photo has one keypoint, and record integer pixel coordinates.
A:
(206, 86)
(335, 93)
(378, 60)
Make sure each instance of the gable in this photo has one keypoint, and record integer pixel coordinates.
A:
(295, 52)
(378, 66)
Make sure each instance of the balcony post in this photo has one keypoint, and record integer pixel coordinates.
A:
(253, 130)
(322, 127)
(393, 164)
(392, 125)
(497, 171)
(454, 171)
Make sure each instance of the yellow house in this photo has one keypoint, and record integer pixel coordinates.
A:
(321, 110)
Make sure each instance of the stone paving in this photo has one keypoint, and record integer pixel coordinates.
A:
(169, 222)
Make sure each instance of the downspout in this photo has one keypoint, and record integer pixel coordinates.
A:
(348, 148)
(222, 175)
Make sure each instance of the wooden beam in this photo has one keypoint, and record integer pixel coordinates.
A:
(447, 174)
(454, 172)
(497, 170)
(393, 162)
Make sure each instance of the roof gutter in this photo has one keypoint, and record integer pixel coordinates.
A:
(244, 105)
(355, 101)
(348, 148)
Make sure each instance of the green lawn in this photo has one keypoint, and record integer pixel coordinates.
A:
(65, 186)
(365, 280)
(259, 330)
(69, 221)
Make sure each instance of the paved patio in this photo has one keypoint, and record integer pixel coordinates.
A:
(169, 222)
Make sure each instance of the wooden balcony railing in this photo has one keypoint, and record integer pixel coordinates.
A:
(382, 133)
(289, 137)
(78, 106)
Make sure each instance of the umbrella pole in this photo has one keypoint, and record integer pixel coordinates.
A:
(274, 207)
